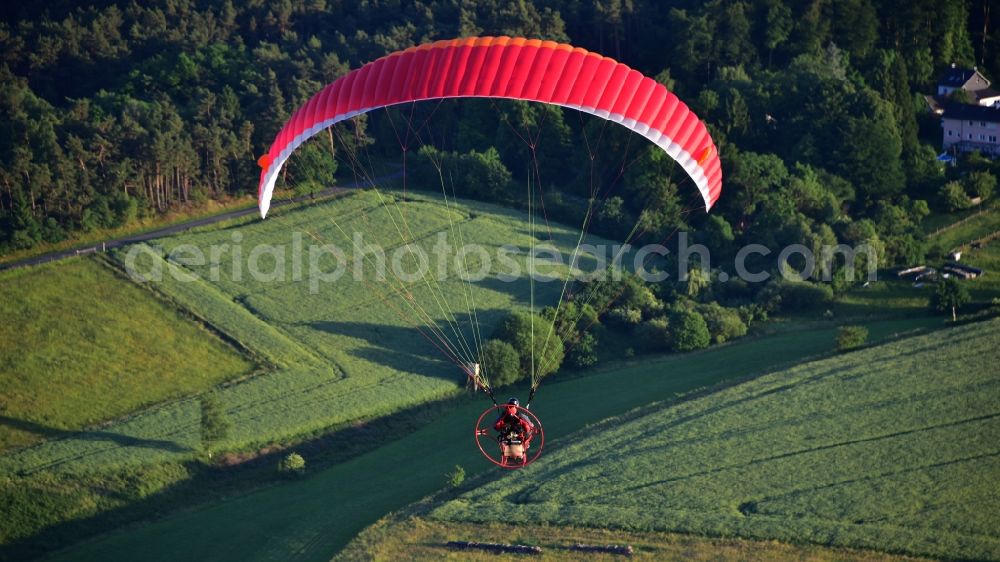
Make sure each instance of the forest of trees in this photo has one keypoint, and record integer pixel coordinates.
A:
(121, 110)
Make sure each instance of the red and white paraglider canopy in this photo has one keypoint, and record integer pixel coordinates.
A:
(507, 68)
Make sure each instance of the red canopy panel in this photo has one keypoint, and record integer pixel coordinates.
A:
(508, 68)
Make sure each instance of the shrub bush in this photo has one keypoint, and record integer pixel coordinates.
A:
(688, 331)
(501, 363)
(456, 477)
(803, 295)
(981, 184)
(953, 197)
(851, 337)
(724, 324)
(292, 464)
(583, 353)
(623, 318)
(654, 334)
(215, 425)
(548, 353)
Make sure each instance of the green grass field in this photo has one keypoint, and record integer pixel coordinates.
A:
(945, 221)
(347, 350)
(333, 357)
(976, 225)
(312, 518)
(423, 540)
(80, 345)
(985, 288)
(889, 297)
(894, 448)
(336, 356)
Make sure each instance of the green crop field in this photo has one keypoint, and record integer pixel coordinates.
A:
(330, 356)
(336, 355)
(894, 448)
(314, 517)
(423, 540)
(348, 349)
(80, 345)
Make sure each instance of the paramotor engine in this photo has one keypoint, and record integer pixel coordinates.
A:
(510, 447)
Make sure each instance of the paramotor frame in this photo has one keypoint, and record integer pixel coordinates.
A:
(505, 449)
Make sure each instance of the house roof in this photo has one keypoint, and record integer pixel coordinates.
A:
(969, 112)
(986, 93)
(957, 77)
(962, 267)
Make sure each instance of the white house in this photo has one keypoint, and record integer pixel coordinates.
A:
(966, 128)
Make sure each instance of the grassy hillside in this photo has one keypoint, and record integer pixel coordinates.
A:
(892, 448)
(337, 355)
(349, 349)
(959, 228)
(423, 540)
(328, 368)
(312, 518)
(333, 356)
(80, 345)
(987, 287)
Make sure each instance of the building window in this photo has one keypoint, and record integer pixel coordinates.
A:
(949, 133)
(982, 123)
(982, 137)
(970, 136)
(993, 138)
(970, 123)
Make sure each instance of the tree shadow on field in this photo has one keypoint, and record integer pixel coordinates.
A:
(546, 293)
(518, 288)
(409, 363)
(404, 349)
(48, 432)
(552, 271)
